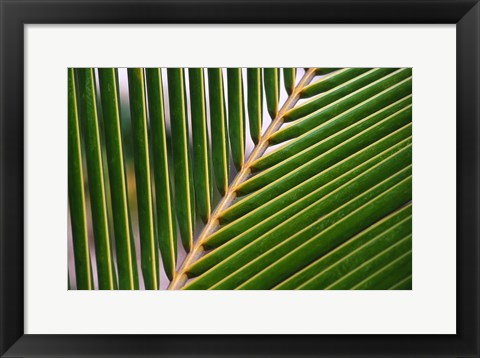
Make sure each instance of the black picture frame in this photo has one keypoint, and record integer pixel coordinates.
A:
(16, 13)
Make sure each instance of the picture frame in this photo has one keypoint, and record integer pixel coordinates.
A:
(15, 14)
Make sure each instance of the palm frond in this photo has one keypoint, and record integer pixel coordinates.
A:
(322, 201)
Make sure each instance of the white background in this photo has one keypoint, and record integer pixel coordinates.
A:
(428, 308)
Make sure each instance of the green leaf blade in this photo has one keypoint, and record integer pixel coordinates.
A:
(219, 129)
(326, 70)
(332, 81)
(167, 235)
(118, 186)
(184, 193)
(76, 196)
(96, 182)
(201, 150)
(236, 116)
(255, 102)
(289, 76)
(148, 240)
(271, 77)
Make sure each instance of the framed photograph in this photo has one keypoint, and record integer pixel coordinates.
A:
(226, 178)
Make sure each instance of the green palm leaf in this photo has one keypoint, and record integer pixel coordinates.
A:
(236, 117)
(272, 89)
(219, 129)
(166, 224)
(289, 76)
(322, 200)
(76, 196)
(201, 147)
(255, 102)
(118, 187)
(103, 252)
(182, 167)
(149, 244)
